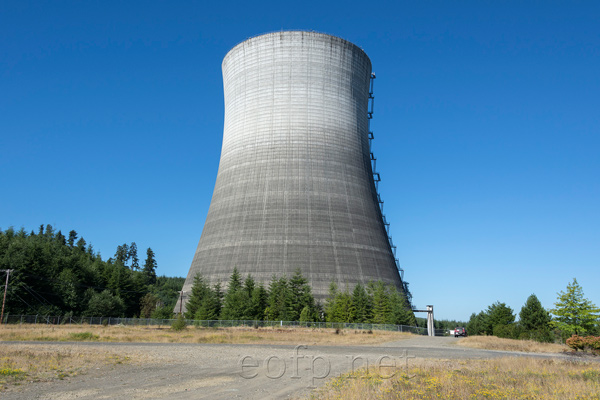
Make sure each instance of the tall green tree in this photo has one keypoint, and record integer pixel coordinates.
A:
(122, 254)
(199, 293)
(237, 299)
(498, 314)
(279, 301)
(535, 320)
(361, 304)
(573, 313)
(259, 302)
(133, 255)
(382, 308)
(149, 269)
(72, 238)
(300, 297)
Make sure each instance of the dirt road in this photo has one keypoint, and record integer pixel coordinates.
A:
(224, 371)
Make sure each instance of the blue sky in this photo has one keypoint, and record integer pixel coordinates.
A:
(487, 127)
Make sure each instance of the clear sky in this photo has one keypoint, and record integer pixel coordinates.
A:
(487, 127)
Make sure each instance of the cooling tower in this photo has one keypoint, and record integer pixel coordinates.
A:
(295, 186)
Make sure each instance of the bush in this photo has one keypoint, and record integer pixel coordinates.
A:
(591, 343)
(179, 324)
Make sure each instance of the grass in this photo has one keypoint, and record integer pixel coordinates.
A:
(495, 343)
(237, 335)
(504, 378)
(23, 363)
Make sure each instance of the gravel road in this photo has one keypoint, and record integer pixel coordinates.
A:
(224, 371)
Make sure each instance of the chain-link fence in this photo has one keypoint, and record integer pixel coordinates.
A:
(64, 320)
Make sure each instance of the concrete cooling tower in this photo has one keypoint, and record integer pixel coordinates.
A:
(295, 186)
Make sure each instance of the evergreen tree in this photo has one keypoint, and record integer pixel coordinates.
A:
(210, 308)
(135, 261)
(122, 254)
(300, 296)
(361, 304)
(498, 314)
(218, 305)
(330, 306)
(259, 302)
(105, 305)
(477, 324)
(200, 291)
(279, 301)
(382, 310)
(80, 243)
(573, 313)
(60, 238)
(401, 313)
(72, 238)
(149, 269)
(535, 320)
(342, 307)
(236, 300)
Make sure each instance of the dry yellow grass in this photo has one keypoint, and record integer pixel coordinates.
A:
(24, 363)
(149, 334)
(494, 343)
(505, 378)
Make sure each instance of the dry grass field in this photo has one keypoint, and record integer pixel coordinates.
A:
(528, 346)
(503, 378)
(25, 363)
(239, 335)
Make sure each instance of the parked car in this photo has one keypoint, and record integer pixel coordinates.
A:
(460, 331)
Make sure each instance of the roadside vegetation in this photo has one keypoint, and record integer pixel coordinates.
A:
(190, 334)
(573, 314)
(20, 364)
(505, 378)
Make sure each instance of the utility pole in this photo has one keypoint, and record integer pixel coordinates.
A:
(181, 302)
(5, 290)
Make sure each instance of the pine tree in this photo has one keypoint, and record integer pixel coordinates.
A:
(401, 312)
(279, 301)
(574, 314)
(382, 310)
(80, 243)
(199, 293)
(259, 302)
(533, 316)
(135, 261)
(342, 309)
(236, 299)
(361, 304)
(72, 238)
(149, 269)
(330, 305)
(300, 295)
(498, 314)
(122, 254)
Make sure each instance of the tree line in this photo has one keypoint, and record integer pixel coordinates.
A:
(573, 314)
(57, 274)
(291, 299)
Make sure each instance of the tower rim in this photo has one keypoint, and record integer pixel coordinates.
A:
(289, 32)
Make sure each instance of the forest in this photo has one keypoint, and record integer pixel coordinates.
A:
(57, 274)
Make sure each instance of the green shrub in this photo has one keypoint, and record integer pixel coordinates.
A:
(179, 324)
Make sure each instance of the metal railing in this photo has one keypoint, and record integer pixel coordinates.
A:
(71, 320)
